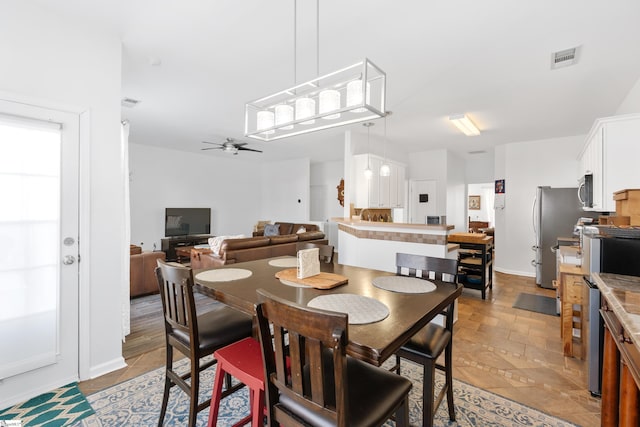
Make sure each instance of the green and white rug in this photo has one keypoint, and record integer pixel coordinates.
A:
(137, 403)
(64, 406)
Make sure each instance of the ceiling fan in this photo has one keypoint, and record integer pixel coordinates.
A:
(229, 146)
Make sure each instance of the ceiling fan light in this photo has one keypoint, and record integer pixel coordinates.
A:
(284, 114)
(385, 170)
(354, 95)
(329, 101)
(305, 107)
(265, 121)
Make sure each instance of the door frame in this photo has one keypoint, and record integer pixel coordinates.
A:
(84, 217)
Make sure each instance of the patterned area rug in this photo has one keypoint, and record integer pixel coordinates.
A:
(64, 406)
(137, 403)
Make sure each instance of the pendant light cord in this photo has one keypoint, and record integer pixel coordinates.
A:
(295, 47)
(318, 38)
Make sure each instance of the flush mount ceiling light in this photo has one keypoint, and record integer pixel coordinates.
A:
(464, 124)
(350, 95)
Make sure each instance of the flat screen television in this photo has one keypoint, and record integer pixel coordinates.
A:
(187, 221)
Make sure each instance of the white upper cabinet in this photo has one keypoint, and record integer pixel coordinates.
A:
(378, 191)
(611, 155)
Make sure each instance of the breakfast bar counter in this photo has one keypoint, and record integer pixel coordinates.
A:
(373, 244)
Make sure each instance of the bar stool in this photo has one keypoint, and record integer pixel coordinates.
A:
(243, 361)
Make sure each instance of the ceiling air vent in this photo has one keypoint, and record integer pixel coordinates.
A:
(129, 102)
(477, 152)
(564, 58)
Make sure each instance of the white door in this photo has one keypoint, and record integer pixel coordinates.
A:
(38, 256)
(422, 200)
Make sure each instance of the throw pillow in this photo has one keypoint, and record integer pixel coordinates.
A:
(216, 242)
(302, 229)
(271, 230)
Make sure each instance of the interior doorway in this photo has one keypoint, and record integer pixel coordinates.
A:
(481, 201)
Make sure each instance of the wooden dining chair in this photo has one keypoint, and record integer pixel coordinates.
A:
(323, 386)
(428, 344)
(195, 336)
(326, 251)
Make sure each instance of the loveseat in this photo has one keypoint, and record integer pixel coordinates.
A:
(142, 276)
(259, 246)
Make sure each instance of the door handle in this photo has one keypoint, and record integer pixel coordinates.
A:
(534, 263)
(68, 260)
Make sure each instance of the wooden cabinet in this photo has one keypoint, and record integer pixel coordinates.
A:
(620, 373)
(170, 244)
(378, 191)
(573, 300)
(610, 154)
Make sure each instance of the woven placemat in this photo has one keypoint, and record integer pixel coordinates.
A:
(403, 284)
(361, 309)
(224, 274)
(284, 262)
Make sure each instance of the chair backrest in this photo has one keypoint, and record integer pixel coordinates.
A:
(315, 384)
(427, 267)
(178, 303)
(326, 251)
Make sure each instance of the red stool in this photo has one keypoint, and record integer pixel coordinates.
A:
(241, 360)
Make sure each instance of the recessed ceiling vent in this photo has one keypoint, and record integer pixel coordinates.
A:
(477, 152)
(129, 102)
(564, 58)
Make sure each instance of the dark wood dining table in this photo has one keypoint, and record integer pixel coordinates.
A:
(372, 342)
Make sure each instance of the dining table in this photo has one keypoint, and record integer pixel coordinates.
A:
(372, 342)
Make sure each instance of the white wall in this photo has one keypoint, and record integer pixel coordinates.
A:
(431, 165)
(285, 193)
(162, 178)
(456, 193)
(480, 167)
(525, 166)
(631, 103)
(64, 61)
(325, 177)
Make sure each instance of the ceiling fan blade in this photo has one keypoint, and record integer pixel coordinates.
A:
(249, 149)
(213, 143)
(212, 148)
(239, 144)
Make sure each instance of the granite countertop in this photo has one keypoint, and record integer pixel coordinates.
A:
(623, 295)
(398, 225)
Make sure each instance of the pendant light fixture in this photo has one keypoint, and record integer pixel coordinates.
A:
(350, 95)
(385, 170)
(368, 173)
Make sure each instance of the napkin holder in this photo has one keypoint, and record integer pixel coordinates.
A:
(308, 263)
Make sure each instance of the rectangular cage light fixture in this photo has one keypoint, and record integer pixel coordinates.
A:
(350, 95)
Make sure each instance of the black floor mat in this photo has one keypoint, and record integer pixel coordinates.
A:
(537, 303)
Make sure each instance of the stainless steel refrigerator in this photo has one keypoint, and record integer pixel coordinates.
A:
(555, 213)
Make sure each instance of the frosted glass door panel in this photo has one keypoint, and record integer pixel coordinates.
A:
(30, 250)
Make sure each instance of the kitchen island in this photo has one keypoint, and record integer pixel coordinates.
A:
(620, 309)
(372, 244)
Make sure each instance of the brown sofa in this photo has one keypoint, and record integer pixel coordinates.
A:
(258, 246)
(142, 277)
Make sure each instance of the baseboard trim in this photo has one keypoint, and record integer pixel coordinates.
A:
(514, 272)
(105, 368)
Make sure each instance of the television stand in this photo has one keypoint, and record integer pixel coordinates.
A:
(169, 244)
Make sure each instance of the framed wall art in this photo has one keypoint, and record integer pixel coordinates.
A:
(474, 202)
